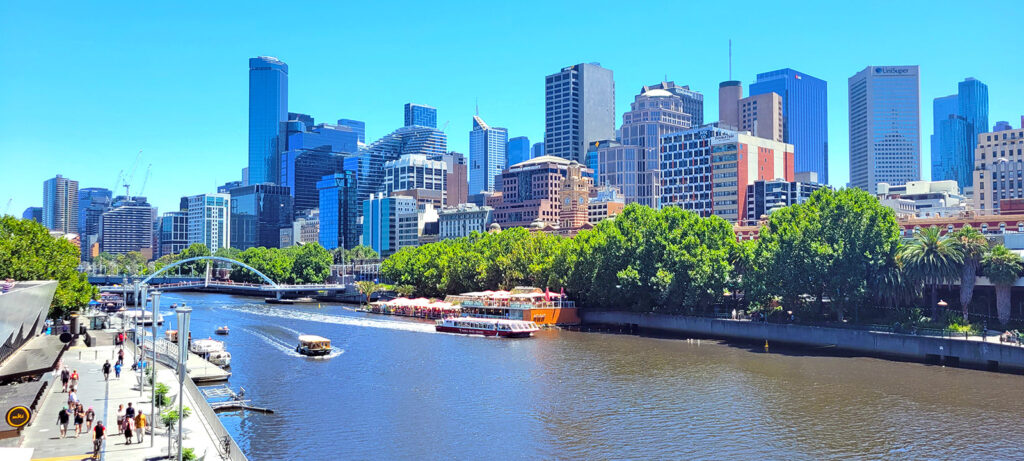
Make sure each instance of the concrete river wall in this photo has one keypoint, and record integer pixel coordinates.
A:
(925, 348)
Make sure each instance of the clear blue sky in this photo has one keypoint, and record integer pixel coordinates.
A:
(84, 86)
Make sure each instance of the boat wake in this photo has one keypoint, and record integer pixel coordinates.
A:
(275, 343)
(334, 319)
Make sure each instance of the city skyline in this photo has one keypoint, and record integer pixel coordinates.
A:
(192, 126)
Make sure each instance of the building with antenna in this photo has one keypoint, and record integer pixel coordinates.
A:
(487, 155)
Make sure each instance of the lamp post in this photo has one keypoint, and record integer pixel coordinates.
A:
(184, 315)
(152, 363)
(942, 308)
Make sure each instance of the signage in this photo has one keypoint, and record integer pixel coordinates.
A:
(893, 70)
(18, 416)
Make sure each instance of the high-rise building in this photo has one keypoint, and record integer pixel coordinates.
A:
(998, 174)
(268, 112)
(760, 114)
(420, 115)
(957, 121)
(389, 223)
(579, 109)
(456, 180)
(633, 165)
(60, 205)
(1002, 126)
(258, 213)
(172, 233)
(707, 169)
(357, 126)
(416, 176)
(209, 220)
(463, 220)
(537, 150)
(226, 187)
(607, 203)
(312, 155)
(804, 116)
(518, 150)
(92, 203)
(693, 101)
(369, 163)
(486, 155)
(767, 195)
(885, 126)
(338, 219)
(34, 213)
(729, 94)
(529, 191)
(127, 227)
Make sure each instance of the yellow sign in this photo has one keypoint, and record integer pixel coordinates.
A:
(18, 416)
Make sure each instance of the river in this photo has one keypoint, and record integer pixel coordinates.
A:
(396, 389)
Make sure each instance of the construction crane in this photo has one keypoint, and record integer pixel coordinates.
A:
(131, 176)
(7, 210)
(445, 126)
(117, 182)
(145, 179)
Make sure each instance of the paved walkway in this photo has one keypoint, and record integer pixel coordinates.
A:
(43, 434)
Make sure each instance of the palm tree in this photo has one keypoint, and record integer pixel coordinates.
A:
(367, 288)
(973, 245)
(1003, 267)
(405, 290)
(934, 258)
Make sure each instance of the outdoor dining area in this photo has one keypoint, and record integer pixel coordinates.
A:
(417, 307)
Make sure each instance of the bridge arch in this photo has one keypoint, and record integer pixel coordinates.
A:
(211, 258)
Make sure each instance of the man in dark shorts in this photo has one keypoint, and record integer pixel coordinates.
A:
(99, 432)
(62, 420)
(65, 377)
(106, 370)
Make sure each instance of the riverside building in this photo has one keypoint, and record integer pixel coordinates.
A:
(463, 220)
(268, 112)
(258, 213)
(530, 191)
(885, 126)
(389, 224)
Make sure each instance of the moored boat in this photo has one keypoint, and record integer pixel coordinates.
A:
(313, 345)
(487, 327)
(211, 350)
(171, 335)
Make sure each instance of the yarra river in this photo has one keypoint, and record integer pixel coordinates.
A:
(397, 389)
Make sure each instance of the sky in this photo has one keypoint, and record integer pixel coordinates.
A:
(86, 86)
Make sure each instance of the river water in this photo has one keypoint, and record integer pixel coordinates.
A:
(396, 389)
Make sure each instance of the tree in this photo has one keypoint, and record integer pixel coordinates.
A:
(28, 252)
(361, 252)
(194, 250)
(312, 263)
(131, 263)
(1003, 267)
(170, 420)
(973, 246)
(367, 288)
(405, 290)
(338, 255)
(935, 258)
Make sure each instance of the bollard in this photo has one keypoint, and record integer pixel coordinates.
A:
(766, 345)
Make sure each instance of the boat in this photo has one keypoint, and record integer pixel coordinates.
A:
(143, 317)
(211, 350)
(171, 335)
(222, 330)
(313, 345)
(486, 326)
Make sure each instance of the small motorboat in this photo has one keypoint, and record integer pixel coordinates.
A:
(222, 330)
(313, 345)
(171, 335)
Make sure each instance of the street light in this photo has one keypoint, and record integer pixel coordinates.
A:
(152, 363)
(184, 315)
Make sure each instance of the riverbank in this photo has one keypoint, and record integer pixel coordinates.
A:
(948, 351)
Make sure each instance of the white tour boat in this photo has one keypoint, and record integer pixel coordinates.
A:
(211, 350)
(505, 328)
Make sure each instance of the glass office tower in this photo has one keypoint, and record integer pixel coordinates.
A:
(420, 115)
(518, 150)
(339, 211)
(487, 146)
(885, 126)
(957, 121)
(258, 213)
(804, 116)
(268, 112)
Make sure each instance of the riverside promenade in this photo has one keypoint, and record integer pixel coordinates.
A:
(43, 434)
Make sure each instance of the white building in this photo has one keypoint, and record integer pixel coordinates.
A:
(413, 175)
(463, 220)
(209, 220)
(924, 199)
(885, 126)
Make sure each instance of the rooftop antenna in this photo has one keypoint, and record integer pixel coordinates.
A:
(477, 107)
(730, 59)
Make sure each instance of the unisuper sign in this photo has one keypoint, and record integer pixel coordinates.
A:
(902, 70)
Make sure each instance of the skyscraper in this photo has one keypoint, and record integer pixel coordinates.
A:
(369, 163)
(957, 121)
(268, 112)
(312, 155)
(579, 109)
(518, 150)
(420, 115)
(416, 176)
(537, 150)
(456, 180)
(172, 233)
(258, 213)
(209, 220)
(760, 114)
(633, 165)
(885, 126)
(486, 155)
(942, 109)
(128, 226)
(339, 211)
(34, 213)
(693, 101)
(804, 116)
(92, 203)
(389, 223)
(359, 127)
(60, 205)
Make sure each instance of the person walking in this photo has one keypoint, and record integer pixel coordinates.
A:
(62, 421)
(79, 420)
(130, 411)
(106, 371)
(74, 378)
(90, 416)
(117, 370)
(65, 378)
(73, 398)
(120, 356)
(140, 426)
(98, 434)
(129, 425)
(120, 418)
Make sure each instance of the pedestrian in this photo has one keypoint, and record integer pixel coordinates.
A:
(99, 433)
(129, 412)
(90, 415)
(117, 370)
(79, 420)
(120, 418)
(120, 357)
(140, 426)
(65, 378)
(106, 370)
(74, 378)
(73, 398)
(129, 425)
(62, 421)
